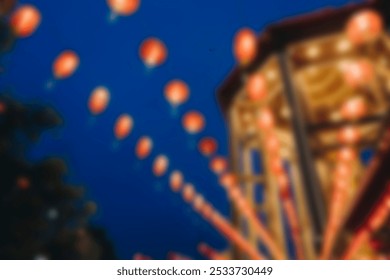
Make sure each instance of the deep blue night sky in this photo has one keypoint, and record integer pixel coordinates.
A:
(140, 213)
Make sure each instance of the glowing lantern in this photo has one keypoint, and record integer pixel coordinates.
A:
(176, 92)
(358, 73)
(245, 46)
(343, 171)
(272, 144)
(346, 154)
(227, 180)
(124, 7)
(193, 122)
(23, 183)
(256, 87)
(98, 100)
(265, 119)
(283, 182)
(123, 126)
(207, 146)
(206, 211)
(354, 108)
(144, 147)
(277, 165)
(160, 165)
(176, 180)
(25, 20)
(198, 203)
(188, 193)
(218, 165)
(153, 52)
(349, 135)
(3, 108)
(65, 64)
(365, 26)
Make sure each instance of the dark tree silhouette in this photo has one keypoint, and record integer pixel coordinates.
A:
(41, 216)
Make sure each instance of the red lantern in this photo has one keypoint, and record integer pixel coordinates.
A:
(3, 108)
(359, 73)
(343, 171)
(228, 180)
(207, 146)
(265, 119)
(198, 203)
(176, 92)
(65, 64)
(124, 7)
(272, 144)
(346, 154)
(218, 164)
(188, 193)
(23, 183)
(365, 26)
(160, 165)
(206, 211)
(25, 20)
(256, 87)
(193, 122)
(277, 165)
(98, 100)
(283, 182)
(123, 126)
(176, 180)
(349, 135)
(245, 46)
(153, 52)
(354, 108)
(144, 147)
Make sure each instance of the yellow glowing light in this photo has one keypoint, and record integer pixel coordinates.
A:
(313, 52)
(343, 45)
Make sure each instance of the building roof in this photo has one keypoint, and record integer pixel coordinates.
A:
(277, 36)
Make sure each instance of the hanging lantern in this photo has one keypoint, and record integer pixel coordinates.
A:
(277, 165)
(227, 180)
(123, 7)
(198, 203)
(218, 165)
(346, 154)
(245, 46)
(123, 126)
(193, 122)
(206, 211)
(349, 135)
(98, 101)
(3, 107)
(283, 183)
(160, 165)
(265, 119)
(272, 144)
(25, 20)
(256, 87)
(354, 108)
(365, 26)
(23, 183)
(144, 147)
(207, 146)
(188, 193)
(343, 171)
(358, 73)
(176, 92)
(176, 180)
(65, 64)
(153, 52)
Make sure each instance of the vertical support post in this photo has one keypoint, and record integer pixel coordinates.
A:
(234, 163)
(309, 175)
